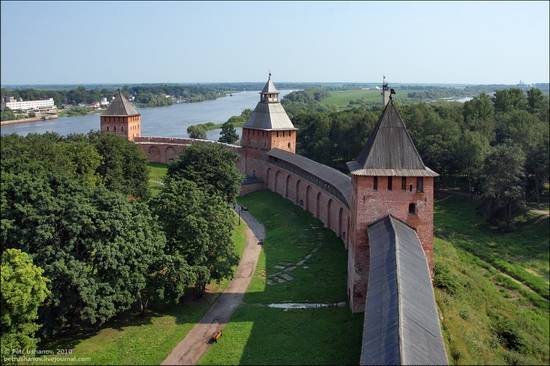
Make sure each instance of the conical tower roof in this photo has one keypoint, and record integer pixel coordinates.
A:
(120, 106)
(269, 87)
(390, 150)
(269, 114)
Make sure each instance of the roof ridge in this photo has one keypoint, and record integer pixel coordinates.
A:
(120, 106)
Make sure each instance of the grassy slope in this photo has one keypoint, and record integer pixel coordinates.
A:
(157, 172)
(491, 318)
(258, 334)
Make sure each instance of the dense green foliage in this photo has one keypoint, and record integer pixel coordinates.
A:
(123, 166)
(94, 245)
(7, 115)
(241, 119)
(460, 139)
(78, 206)
(145, 95)
(307, 96)
(198, 227)
(198, 131)
(228, 134)
(78, 111)
(212, 167)
(23, 291)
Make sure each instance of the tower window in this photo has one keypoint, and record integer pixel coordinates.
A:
(419, 184)
(107, 128)
(403, 183)
(412, 209)
(375, 184)
(390, 181)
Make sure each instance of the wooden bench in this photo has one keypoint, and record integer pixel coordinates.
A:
(216, 336)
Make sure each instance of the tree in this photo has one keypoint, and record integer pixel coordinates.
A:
(212, 167)
(198, 227)
(169, 278)
(23, 291)
(478, 114)
(536, 101)
(503, 174)
(229, 134)
(507, 100)
(124, 165)
(50, 152)
(95, 245)
(469, 154)
(537, 166)
(197, 132)
(7, 115)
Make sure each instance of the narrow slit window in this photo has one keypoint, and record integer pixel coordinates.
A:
(403, 183)
(390, 181)
(419, 184)
(375, 184)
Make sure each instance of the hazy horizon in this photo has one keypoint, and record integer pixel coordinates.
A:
(261, 83)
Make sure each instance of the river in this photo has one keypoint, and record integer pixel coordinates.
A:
(169, 121)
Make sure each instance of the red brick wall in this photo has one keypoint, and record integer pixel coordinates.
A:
(368, 206)
(126, 126)
(165, 149)
(328, 209)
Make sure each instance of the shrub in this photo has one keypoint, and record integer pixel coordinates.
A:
(445, 279)
(510, 337)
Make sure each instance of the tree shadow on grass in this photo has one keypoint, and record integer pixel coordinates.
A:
(189, 310)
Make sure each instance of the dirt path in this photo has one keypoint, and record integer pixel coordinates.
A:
(196, 343)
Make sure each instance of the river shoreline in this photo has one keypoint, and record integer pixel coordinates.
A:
(28, 120)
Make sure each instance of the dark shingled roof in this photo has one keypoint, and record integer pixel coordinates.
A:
(269, 87)
(401, 322)
(340, 181)
(269, 114)
(390, 150)
(120, 106)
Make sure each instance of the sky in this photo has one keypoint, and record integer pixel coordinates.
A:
(104, 42)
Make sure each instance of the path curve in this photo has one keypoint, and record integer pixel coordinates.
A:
(195, 344)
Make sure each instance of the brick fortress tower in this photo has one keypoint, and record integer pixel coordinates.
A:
(388, 178)
(268, 127)
(121, 118)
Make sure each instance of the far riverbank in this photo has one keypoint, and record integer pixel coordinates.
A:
(168, 121)
(27, 120)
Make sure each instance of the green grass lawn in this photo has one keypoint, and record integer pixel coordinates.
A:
(258, 334)
(342, 98)
(157, 172)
